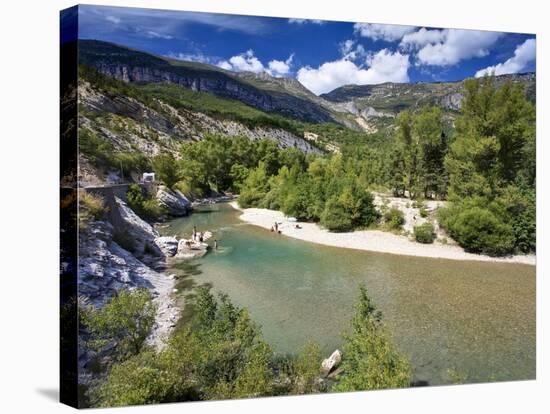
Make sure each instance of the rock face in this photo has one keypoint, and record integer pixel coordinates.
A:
(173, 201)
(331, 362)
(135, 66)
(105, 267)
(135, 231)
(168, 245)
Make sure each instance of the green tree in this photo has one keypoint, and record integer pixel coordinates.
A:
(255, 187)
(493, 143)
(370, 360)
(126, 320)
(428, 131)
(166, 168)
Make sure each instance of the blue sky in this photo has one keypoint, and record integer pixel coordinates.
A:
(322, 55)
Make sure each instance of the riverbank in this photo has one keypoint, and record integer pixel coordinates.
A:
(370, 240)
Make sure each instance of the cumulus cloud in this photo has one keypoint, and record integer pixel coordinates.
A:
(523, 55)
(248, 62)
(224, 64)
(387, 32)
(382, 66)
(421, 38)
(448, 46)
(349, 50)
(279, 67)
(303, 21)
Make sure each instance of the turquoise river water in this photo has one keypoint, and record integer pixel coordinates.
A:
(475, 318)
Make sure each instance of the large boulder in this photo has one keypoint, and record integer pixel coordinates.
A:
(168, 245)
(175, 203)
(190, 249)
(331, 362)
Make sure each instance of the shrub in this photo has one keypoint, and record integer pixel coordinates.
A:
(478, 230)
(423, 212)
(394, 219)
(145, 207)
(335, 217)
(424, 233)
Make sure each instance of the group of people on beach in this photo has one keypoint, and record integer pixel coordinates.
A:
(198, 237)
(275, 228)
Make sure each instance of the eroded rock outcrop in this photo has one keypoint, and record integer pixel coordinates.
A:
(173, 201)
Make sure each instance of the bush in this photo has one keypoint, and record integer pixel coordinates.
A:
(423, 212)
(424, 233)
(394, 219)
(478, 230)
(145, 207)
(335, 217)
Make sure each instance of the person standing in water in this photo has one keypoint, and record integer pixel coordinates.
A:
(215, 244)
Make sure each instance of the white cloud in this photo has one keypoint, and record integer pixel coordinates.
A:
(224, 64)
(155, 35)
(279, 67)
(524, 54)
(387, 32)
(383, 66)
(421, 38)
(303, 21)
(191, 57)
(248, 62)
(449, 46)
(113, 19)
(350, 51)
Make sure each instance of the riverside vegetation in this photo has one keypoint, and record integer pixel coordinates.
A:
(219, 353)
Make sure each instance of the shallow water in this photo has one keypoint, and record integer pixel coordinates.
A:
(472, 317)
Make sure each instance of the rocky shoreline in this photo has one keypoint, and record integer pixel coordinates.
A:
(129, 253)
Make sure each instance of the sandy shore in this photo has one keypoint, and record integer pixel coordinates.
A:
(371, 240)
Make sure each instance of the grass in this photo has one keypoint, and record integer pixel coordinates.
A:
(91, 207)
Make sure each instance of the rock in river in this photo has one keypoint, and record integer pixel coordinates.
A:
(331, 362)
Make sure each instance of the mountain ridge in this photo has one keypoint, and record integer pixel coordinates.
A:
(360, 107)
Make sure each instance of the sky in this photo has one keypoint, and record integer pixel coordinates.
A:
(322, 55)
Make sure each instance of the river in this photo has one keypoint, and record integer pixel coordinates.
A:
(474, 318)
